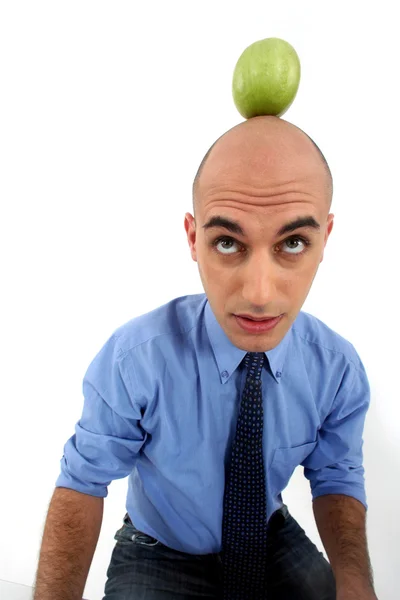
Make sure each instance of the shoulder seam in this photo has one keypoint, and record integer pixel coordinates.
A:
(326, 348)
(123, 353)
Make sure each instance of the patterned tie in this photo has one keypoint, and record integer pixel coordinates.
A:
(244, 520)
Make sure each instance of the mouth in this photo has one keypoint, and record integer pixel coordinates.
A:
(266, 318)
(257, 325)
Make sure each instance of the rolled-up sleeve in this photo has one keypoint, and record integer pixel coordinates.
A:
(336, 464)
(108, 437)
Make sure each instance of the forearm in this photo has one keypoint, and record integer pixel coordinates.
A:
(69, 541)
(341, 522)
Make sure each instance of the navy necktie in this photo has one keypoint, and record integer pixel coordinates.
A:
(244, 518)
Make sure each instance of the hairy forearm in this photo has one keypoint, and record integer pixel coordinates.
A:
(69, 540)
(341, 522)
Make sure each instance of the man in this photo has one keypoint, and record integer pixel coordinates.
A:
(172, 395)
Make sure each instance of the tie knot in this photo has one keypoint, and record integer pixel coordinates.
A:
(254, 361)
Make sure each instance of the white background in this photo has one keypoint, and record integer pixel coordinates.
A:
(107, 109)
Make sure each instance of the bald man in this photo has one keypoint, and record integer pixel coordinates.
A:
(169, 397)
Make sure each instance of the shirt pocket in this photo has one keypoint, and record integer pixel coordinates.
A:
(284, 462)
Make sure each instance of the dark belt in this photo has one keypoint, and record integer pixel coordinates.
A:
(276, 520)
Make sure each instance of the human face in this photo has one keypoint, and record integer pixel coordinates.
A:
(249, 264)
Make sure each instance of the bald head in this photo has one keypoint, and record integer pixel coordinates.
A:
(265, 142)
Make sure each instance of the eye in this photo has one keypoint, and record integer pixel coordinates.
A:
(296, 240)
(224, 240)
(294, 251)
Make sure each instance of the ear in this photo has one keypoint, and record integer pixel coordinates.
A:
(329, 227)
(190, 228)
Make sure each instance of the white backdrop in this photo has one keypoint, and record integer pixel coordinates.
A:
(106, 110)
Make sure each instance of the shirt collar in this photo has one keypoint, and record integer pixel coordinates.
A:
(229, 357)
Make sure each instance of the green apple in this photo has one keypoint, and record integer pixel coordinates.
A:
(266, 78)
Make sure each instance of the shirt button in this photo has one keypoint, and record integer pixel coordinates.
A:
(278, 374)
(224, 373)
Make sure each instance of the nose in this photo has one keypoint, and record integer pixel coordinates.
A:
(259, 284)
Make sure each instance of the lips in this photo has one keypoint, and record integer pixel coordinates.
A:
(257, 327)
(257, 318)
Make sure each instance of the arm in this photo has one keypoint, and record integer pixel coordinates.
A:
(341, 522)
(336, 474)
(105, 447)
(69, 541)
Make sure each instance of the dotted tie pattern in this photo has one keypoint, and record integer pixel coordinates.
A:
(244, 528)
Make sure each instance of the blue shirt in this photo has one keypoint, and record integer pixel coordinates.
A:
(161, 401)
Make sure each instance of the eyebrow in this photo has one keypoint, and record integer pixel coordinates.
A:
(307, 222)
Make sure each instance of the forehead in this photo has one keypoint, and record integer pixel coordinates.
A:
(262, 164)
